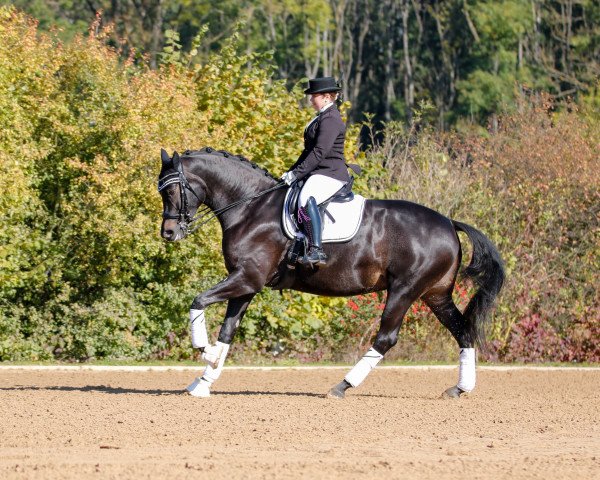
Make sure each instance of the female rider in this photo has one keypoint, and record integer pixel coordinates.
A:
(321, 163)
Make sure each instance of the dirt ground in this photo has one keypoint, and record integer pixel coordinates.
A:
(277, 425)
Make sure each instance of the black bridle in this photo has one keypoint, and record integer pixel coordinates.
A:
(204, 213)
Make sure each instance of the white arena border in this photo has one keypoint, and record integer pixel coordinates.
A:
(186, 368)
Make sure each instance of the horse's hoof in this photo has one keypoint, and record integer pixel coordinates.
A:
(198, 388)
(453, 392)
(335, 393)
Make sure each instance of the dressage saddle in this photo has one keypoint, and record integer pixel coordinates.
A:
(343, 195)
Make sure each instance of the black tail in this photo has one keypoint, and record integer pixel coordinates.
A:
(487, 272)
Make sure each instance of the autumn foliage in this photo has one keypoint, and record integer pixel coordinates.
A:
(84, 274)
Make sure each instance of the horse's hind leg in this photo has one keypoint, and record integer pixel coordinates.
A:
(442, 305)
(397, 304)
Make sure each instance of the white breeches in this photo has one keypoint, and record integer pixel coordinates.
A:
(320, 187)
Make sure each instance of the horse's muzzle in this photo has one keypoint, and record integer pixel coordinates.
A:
(169, 235)
(173, 232)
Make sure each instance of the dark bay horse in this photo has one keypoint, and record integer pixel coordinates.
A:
(407, 249)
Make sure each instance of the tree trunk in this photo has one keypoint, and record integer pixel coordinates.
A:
(365, 23)
(409, 82)
(157, 26)
(326, 54)
(339, 14)
(537, 25)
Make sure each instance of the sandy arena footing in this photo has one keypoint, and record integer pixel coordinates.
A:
(275, 424)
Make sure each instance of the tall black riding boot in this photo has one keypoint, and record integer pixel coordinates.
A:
(312, 226)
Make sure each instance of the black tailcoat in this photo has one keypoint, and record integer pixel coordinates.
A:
(323, 152)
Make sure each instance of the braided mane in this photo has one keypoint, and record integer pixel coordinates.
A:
(227, 154)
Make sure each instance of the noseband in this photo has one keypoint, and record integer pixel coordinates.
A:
(184, 219)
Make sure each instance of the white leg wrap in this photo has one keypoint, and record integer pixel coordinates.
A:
(212, 353)
(364, 366)
(198, 329)
(466, 370)
(200, 387)
(212, 372)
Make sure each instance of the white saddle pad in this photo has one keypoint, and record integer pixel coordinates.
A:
(346, 220)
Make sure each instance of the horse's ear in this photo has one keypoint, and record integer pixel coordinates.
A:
(164, 156)
(176, 160)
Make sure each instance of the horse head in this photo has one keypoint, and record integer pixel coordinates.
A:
(182, 194)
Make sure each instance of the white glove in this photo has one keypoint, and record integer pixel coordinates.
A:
(288, 177)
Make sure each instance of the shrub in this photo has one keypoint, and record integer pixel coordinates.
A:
(84, 273)
(531, 187)
(533, 340)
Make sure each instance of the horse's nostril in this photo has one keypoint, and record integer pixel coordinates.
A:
(168, 234)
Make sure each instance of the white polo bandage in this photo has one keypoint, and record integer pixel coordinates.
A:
(364, 366)
(211, 373)
(198, 329)
(212, 353)
(466, 370)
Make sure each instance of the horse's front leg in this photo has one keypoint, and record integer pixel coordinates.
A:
(239, 290)
(236, 308)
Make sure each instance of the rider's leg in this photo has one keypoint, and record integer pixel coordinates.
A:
(319, 188)
(310, 217)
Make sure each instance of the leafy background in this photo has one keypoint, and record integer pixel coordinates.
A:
(85, 276)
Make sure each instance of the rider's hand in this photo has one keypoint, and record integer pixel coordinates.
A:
(288, 177)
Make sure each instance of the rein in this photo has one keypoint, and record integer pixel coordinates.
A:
(204, 213)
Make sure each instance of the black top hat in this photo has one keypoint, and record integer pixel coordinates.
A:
(322, 85)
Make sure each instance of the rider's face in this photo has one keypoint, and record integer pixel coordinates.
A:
(319, 100)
